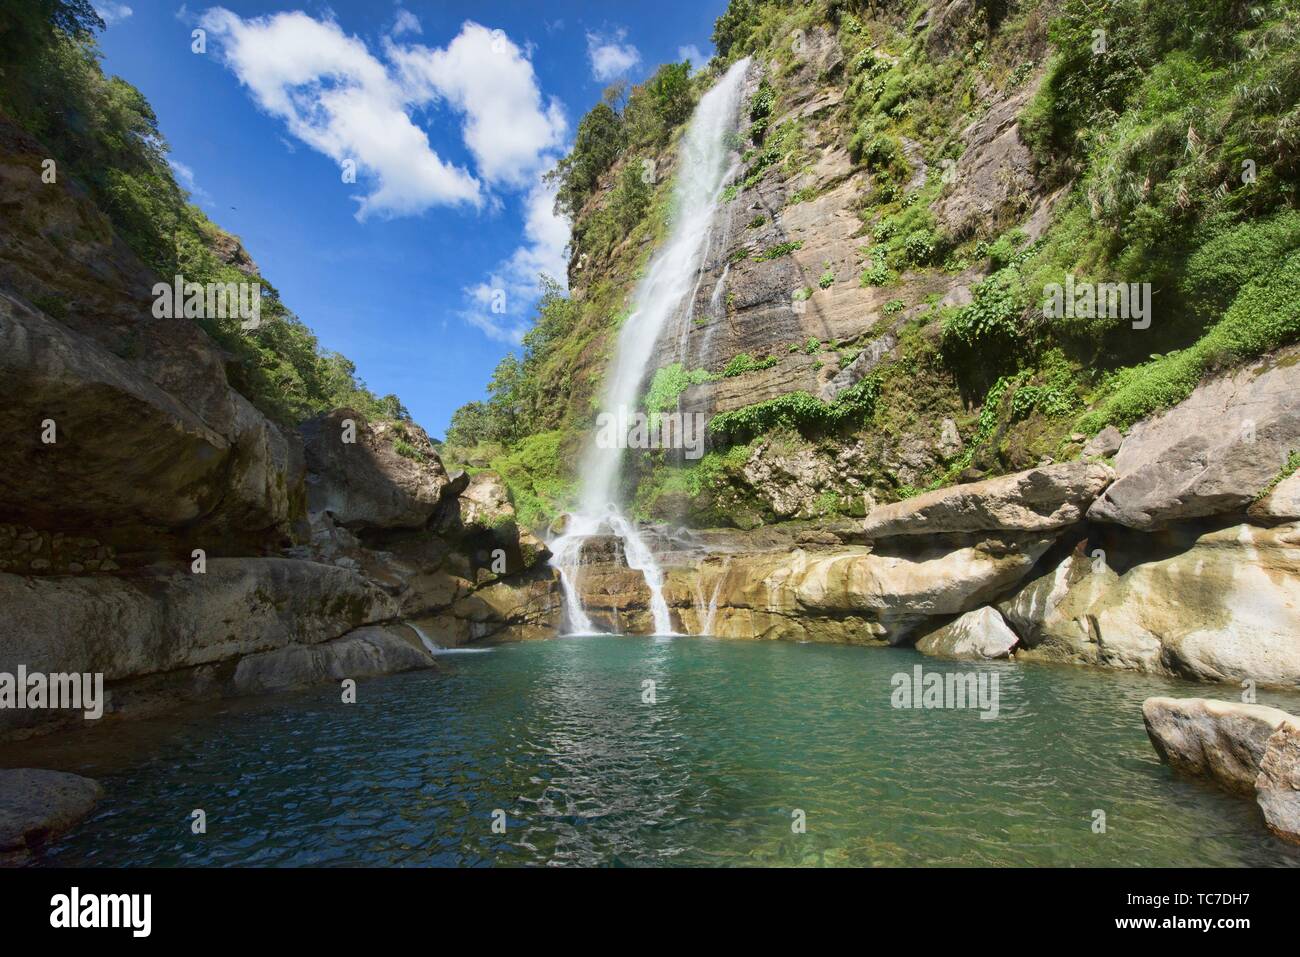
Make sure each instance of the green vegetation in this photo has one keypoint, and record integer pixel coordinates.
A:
(799, 411)
(742, 362)
(104, 134)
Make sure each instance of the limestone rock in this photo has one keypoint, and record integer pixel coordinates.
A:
(1282, 504)
(1104, 444)
(788, 479)
(853, 593)
(128, 452)
(977, 635)
(369, 483)
(1030, 608)
(994, 179)
(364, 653)
(1277, 788)
(1222, 606)
(485, 501)
(37, 805)
(1039, 500)
(161, 618)
(1212, 454)
(1222, 740)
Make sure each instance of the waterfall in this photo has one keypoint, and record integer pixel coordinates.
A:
(705, 163)
(713, 601)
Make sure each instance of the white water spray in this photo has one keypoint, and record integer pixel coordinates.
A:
(666, 289)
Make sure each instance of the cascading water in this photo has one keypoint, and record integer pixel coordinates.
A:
(669, 282)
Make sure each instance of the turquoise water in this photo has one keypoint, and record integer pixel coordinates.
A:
(742, 736)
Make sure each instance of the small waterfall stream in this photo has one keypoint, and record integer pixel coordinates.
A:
(667, 289)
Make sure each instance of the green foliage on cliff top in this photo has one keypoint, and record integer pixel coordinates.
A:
(104, 133)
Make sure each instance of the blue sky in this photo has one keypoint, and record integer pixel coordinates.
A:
(448, 111)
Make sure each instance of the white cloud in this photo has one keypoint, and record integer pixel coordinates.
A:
(691, 54)
(610, 57)
(340, 100)
(486, 77)
(518, 277)
(406, 22)
(113, 13)
(185, 176)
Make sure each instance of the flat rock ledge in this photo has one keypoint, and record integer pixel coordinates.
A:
(1244, 748)
(37, 805)
(1037, 500)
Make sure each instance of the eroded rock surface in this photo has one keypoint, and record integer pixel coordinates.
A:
(1222, 740)
(1037, 500)
(368, 482)
(1212, 454)
(37, 806)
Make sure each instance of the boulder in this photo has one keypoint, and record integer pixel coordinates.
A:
(37, 805)
(1035, 603)
(1277, 788)
(1214, 453)
(1221, 606)
(1222, 740)
(1282, 504)
(977, 635)
(485, 501)
(160, 618)
(1038, 500)
(389, 477)
(1104, 444)
(364, 653)
(128, 453)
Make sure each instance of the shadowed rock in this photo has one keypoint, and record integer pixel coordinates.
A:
(37, 806)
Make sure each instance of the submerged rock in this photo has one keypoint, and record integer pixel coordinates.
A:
(1038, 500)
(977, 635)
(1222, 740)
(37, 805)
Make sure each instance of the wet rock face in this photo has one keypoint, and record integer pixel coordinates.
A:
(37, 806)
(1042, 499)
(1212, 454)
(358, 473)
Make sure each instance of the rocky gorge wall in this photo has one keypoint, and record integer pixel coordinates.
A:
(159, 530)
(1173, 550)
